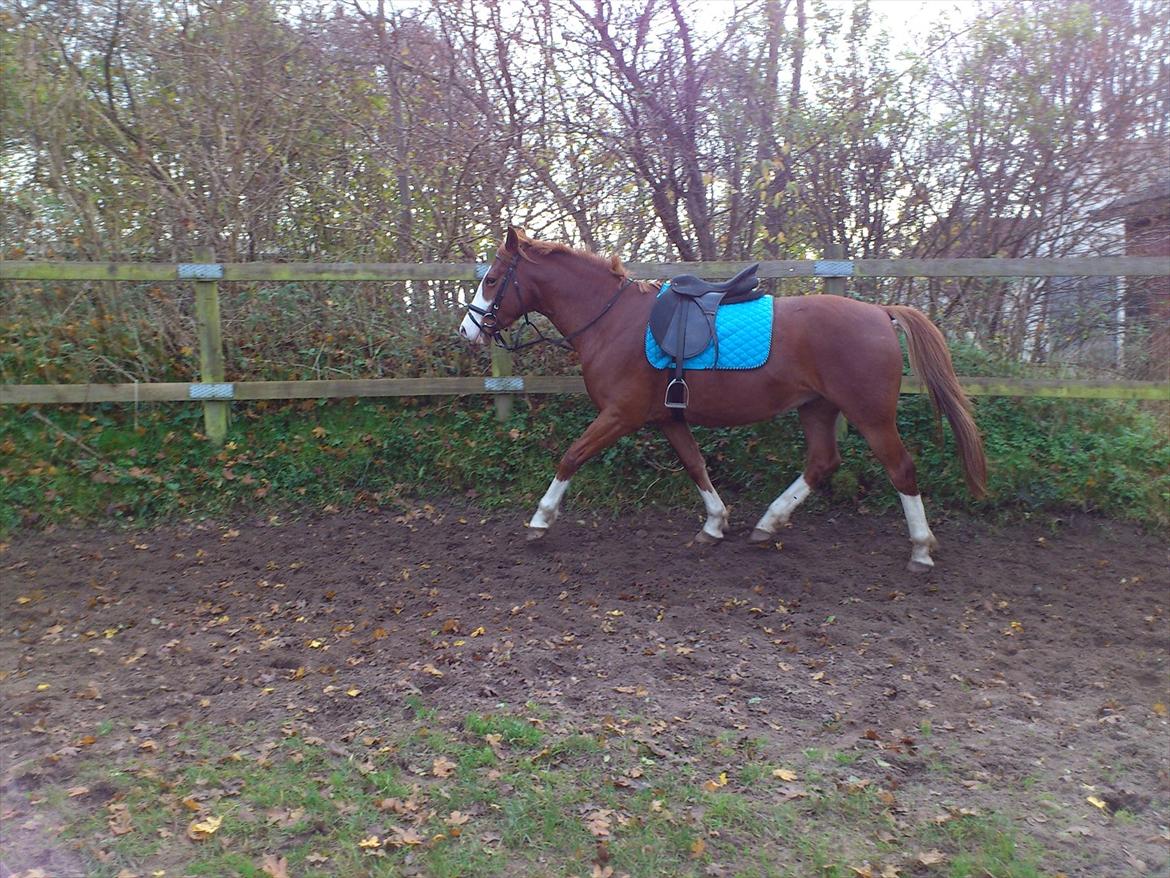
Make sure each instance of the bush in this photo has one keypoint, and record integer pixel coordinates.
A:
(106, 462)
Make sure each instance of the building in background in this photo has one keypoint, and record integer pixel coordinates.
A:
(1145, 215)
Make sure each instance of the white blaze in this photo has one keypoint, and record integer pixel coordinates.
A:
(469, 328)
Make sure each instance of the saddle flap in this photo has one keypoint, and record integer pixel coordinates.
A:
(684, 326)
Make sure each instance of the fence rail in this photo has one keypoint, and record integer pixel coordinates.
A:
(1073, 266)
(215, 393)
(53, 394)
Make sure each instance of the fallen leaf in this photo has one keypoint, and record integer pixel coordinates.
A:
(405, 838)
(712, 785)
(456, 818)
(201, 830)
(1160, 708)
(119, 819)
(274, 867)
(599, 824)
(442, 767)
(785, 774)
(932, 857)
(1095, 802)
(370, 842)
(398, 806)
(74, 792)
(698, 847)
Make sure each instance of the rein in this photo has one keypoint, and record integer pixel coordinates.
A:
(489, 318)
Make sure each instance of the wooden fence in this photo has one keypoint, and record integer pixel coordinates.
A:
(215, 392)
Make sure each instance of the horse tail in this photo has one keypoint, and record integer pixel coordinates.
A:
(931, 360)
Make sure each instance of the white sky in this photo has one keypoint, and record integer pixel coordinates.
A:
(915, 14)
(907, 19)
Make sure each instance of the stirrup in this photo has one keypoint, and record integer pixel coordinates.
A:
(681, 394)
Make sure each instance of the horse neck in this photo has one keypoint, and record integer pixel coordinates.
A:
(572, 297)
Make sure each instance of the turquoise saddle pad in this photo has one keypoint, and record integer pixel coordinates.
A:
(745, 338)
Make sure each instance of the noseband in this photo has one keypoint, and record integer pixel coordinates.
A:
(488, 321)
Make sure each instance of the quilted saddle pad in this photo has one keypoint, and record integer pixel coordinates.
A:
(745, 339)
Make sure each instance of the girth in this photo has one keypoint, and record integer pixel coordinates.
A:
(683, 321)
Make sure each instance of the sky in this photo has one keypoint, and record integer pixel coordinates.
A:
(909, 20)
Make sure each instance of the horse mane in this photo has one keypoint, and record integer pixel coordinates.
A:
(543, 248)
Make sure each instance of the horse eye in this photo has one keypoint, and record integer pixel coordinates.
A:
(489, 281)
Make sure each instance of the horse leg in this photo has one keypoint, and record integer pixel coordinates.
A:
(819, 420)
(678, 433)
(883, 438)
(606, 429)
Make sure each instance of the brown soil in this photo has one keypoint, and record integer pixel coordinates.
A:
(1026, 675)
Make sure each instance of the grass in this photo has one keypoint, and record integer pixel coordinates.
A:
(492, 795)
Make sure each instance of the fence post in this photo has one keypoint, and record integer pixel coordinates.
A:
(836, 286)
(210, 332)
(502, 368)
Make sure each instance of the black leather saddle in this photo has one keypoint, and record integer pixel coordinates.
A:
(683, 321)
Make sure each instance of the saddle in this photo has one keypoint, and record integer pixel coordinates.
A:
(683, 321)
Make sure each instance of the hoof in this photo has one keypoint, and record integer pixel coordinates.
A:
(759, 535)
(705, 539)
(919, 567)
(536, 533)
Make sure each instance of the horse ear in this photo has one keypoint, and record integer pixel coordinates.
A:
(512, 239)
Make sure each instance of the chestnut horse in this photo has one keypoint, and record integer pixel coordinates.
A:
(830, 356)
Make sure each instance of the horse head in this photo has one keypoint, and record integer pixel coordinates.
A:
(503, 295)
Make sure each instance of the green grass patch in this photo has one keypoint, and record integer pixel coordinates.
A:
(518, 732)
(427, 797)
(986, 847)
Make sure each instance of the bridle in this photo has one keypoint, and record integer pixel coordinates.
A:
(489, 320)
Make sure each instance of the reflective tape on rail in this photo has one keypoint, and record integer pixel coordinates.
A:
(510, 384)
(211, 391)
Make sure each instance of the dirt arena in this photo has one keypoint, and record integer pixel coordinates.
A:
(1028, 674)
